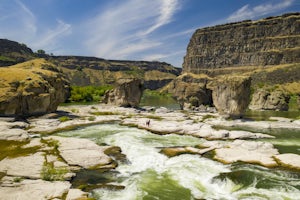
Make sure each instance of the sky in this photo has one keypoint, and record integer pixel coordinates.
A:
(152, 30)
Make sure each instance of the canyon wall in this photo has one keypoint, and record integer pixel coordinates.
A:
(270, 41)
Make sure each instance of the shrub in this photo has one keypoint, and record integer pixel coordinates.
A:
(64, 119)
(51, 173)
(91, 118)
(87, 93)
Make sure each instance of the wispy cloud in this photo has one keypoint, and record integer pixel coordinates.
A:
(248, 12)
(29, 19)
(125, 30)
(49, 39)
(166, 10)
(154, 57)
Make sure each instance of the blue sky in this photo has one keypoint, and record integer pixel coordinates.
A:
(124, 29)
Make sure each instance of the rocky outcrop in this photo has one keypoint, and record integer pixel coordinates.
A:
(12, 53)
(231, 95)
(31, 88)
(270, 41)
(127, 93)
(269, 100)
(190, 89)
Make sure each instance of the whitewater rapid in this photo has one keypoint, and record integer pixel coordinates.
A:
(149, 174)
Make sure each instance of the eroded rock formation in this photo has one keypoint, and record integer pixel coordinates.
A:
(127, 93)
(190, 89)
(231, 95)
(31, 88)
(269, 100)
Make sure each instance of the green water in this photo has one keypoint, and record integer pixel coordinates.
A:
(152, 98)
(266, 114)
(148, 174)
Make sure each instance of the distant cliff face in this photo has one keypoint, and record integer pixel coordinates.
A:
(82, 70)
(270, 41)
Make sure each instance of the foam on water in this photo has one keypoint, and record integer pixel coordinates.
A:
(152, 175)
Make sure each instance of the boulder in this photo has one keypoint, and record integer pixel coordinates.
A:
(231, 95)
(190, 89)
(31, 88)
(270, 100)
(127, 93)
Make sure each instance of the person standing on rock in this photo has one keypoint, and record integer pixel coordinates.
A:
(148, 122)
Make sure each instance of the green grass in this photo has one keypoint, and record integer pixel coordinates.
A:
(104, 113)
(92, 118)
(64, 119)
(51, 173)
(4, 58)
(293, 103)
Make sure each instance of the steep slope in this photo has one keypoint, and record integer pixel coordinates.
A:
(270, 41)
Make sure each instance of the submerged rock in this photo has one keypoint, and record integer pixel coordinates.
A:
(128, 93)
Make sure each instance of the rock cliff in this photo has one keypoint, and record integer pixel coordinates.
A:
(127, 93)
(270, 41)
(31, 88)
(231, 95)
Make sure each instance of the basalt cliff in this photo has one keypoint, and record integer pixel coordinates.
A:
(267, 51)
(270, 41)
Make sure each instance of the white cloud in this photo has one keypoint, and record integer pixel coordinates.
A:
(48, 40)
(247, 12)
(160, 56)
(28, 18)
(123, 31)
(166, 10)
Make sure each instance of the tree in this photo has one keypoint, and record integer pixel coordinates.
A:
(41, 51)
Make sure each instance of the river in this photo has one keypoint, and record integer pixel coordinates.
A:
(148, 174)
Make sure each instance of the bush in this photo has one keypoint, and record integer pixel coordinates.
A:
(64, 119)
(51, 173)
(88, 93)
